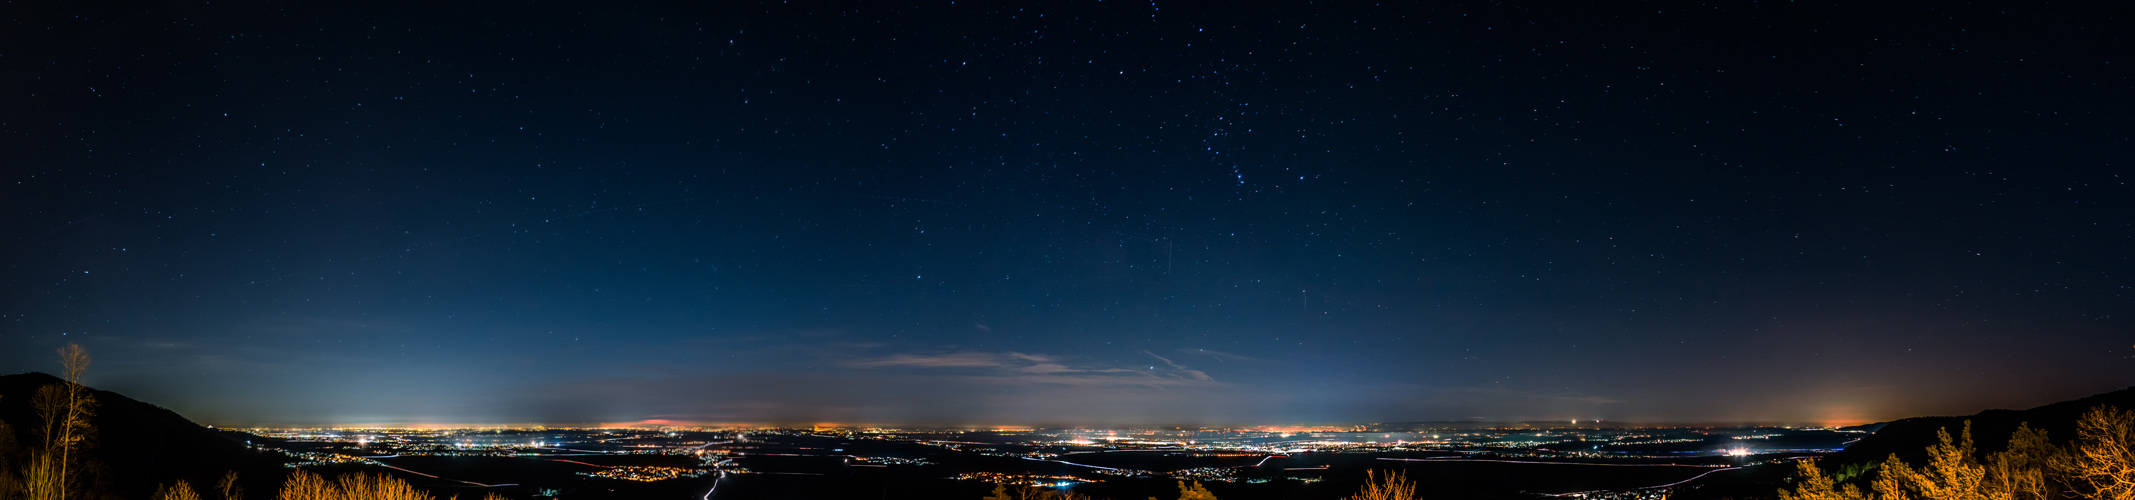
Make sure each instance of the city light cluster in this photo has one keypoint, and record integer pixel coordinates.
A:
(1022, 479)
(645, 473)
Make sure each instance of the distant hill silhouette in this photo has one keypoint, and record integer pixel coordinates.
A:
(1910, 438)
(137, 446)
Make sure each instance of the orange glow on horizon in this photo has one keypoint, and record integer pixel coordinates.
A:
(650, 422)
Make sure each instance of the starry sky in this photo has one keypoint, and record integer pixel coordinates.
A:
(1085, 213)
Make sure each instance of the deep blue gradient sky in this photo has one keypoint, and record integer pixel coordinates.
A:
(1091, 213)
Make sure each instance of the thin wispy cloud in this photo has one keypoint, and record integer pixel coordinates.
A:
(1219, 356)
(949, 360)
(1016, 368)
(1179, 370)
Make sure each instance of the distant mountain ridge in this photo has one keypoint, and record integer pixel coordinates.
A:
(138, 446)
(1909, 438)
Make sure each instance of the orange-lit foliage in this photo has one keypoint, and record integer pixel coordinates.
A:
(1890, 483)
(64, 408)
(228, 485)
(307, 486)
(2021, 473)
(180, 491)
(1194, 491)
(1950, 473)
(380, 487)
(10, 483)
(1392, 486)
(2099, 464)
(1814, 485)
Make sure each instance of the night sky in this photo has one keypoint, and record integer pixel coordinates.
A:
(1089, 213)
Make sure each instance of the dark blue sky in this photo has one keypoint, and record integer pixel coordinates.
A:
(1093, 213)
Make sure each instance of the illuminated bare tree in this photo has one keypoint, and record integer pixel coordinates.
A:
(307, 486)
(2101, 463)
(2023, 472)
(228, 485)
(180, 491)
(379, 487)
(65, 409)
(11, 485)
(1392, 486)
